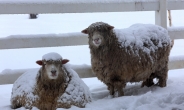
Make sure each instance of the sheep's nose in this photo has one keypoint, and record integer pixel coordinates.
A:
(53, 71)
(96, 40)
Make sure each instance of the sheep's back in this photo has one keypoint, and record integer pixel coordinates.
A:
(146, 44)
(77, 93)
(146, 37)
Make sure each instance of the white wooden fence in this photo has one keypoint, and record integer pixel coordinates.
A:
(81, 6)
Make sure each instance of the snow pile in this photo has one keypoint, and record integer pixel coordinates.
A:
(143, 37)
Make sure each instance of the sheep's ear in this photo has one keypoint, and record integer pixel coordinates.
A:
(111, 27)
(64, 61)
(39, 62)
(85, 31)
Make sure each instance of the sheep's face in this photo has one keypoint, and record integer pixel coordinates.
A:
(97, 33)
(52, 68)
(97, 39)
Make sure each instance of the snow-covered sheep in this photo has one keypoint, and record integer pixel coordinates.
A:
(54, 85)
(138, 53)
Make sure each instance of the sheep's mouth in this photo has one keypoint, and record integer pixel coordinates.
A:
(53, 76)
(97, 43)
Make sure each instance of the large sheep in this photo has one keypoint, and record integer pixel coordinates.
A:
(138, 53)
(54, 85)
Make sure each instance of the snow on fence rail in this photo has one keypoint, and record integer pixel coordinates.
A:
(81, 6)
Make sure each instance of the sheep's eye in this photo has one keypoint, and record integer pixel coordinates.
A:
(57, 63)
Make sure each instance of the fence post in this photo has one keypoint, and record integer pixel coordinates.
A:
(161, 14)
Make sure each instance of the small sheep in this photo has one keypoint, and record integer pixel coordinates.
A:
(138, 53)
(54, 85)
(33, 16)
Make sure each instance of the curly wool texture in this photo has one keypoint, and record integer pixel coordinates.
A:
(29, 92)
(137, 53)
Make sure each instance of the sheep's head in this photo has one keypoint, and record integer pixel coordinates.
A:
(52, 65)
(97, 33)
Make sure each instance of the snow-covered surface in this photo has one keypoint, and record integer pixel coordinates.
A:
(136, 98)
(76, 91)
(52, 56)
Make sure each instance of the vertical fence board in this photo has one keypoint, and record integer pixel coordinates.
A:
(161, 14)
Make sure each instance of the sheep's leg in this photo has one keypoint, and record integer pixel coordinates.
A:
(14, 106)
(111, 89)
(120, 90)
(149, 82)
(18, 102)
(120, 86)
(162, 77)
(120, 93)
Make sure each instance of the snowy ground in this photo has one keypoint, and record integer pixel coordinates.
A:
(136, 98)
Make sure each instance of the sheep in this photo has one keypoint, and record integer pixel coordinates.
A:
(135, 54)
(54, 85)
(33, 16)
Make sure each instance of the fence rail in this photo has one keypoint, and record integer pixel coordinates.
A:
(47, 40)
(84, 6)
(81, 6)
(53, 40)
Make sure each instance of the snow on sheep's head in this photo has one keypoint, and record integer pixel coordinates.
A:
(96, 32)
(52, 64)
